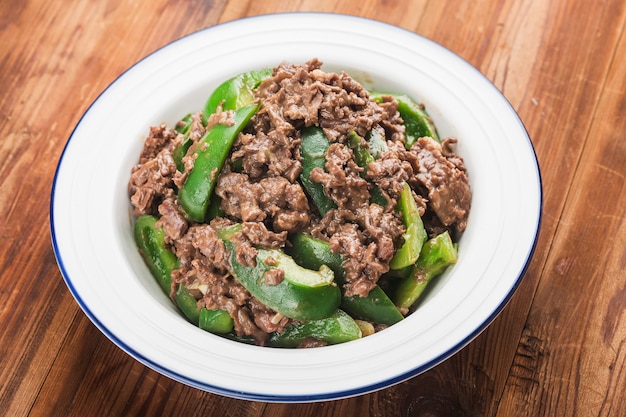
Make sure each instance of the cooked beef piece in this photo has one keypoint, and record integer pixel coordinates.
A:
(172, 219)
(151, 179)
(257, 234)
(389, 172)
(304, 95)
(342, 180)
(272, 199)
(443, 175)
(366, 239)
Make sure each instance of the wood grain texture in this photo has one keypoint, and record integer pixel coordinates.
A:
(557, 349)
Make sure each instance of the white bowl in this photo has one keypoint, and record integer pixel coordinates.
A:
(91, 225)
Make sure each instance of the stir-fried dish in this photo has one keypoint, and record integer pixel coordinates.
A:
(298, 209)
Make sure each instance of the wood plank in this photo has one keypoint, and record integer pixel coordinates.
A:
(572, 356)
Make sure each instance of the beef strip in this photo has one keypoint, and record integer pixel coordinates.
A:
(151, 179)
(272, 199)
(342, 180)
(439, 171)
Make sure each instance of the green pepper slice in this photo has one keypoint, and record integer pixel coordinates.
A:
(211, 152)
(150, 241)
(313, 151)
(184, 124)
(215, 321)
(363, 157)
(417, 122)
(293, 301)
(338, 328)
(312, 253)
(437, 254)
(415, 234)
(236, 92)
(187, 304)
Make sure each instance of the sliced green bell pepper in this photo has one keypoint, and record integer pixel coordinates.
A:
(417, 122)
(437, 254)
(363, 157)
(215, 321)
(150, 241)
(184, 124)
(312, 253)
(232, 94)
(415, 234)
(188, 304)
(236, 92)
(338, 328)
(294, 301)
(313, 151)
(211, 152)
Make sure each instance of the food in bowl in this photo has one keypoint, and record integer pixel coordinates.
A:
(298, 209)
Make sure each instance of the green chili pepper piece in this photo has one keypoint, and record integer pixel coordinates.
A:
(416, 120)
(437, 254)
(338, 328)
(215, 321)
(313, 151)
(363, 157)
(293, 301)
(150, 241)
(294, 273)
(236, 92)
(183, 127)
(184, 124)
(187, 304)
(415, 234)
(212, 152)
(311, 253)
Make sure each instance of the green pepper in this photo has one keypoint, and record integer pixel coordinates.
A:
(187, 304)
(363, 157)
(215, 321)
(184, 124)
(214, 210)
(436, 255)
(313, 151)
(150, 241)
(236, 92)
(232, 94)
(417, 122)
(294, 301)
(338, 328)
(312, 253)
(212, 151)
(415, 234)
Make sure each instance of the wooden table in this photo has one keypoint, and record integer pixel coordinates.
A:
(558, 348)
